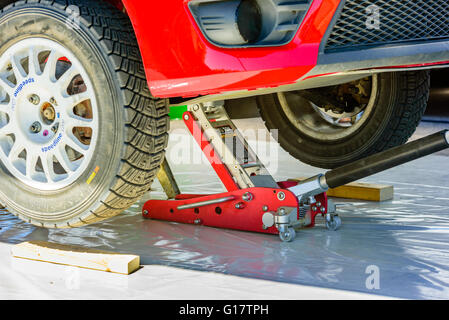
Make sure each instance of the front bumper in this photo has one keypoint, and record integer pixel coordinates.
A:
(181, 62)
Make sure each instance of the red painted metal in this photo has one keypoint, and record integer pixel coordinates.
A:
(208, 150)
(242, 209)
(190, 65)
(180, 62)
(239, 209)
(224, 215)
(321, 202)
(247, 217)
(235, 213)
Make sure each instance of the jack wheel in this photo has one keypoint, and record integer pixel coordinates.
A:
(334, 224)
(288, 236)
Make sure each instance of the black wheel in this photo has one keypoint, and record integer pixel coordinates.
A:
(350, 121)
(81, 137)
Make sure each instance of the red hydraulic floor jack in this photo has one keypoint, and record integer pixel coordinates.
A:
(254, 201)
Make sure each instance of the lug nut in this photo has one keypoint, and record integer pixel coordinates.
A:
(55, 128)
(49, 114)
(34, 99)
(36, 127)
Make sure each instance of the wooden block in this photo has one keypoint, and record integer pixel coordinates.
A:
(77, 256)
(361, 191)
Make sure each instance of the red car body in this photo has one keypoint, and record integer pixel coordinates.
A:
(180, 62)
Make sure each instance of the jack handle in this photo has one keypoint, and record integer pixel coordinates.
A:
(387, 159)
(371, 165)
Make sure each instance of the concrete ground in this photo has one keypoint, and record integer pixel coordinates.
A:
(396, 249)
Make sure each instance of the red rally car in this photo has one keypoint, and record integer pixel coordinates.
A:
(86, 85)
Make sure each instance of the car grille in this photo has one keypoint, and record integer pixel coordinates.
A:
(367, 23)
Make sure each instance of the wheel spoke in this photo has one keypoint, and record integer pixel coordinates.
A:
(3, 95)
(76, 99)
(31, 163)
(33, 62)
(50, 66)
(63, 159)
(66, 78)
(7, 85)
(5, 108)
(17, 68)
(7, 129)
(75, 144)
(78, 122)
(15, 151)
(47, 167)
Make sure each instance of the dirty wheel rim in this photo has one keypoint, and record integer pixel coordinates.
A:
(48, 114)
(318, 124)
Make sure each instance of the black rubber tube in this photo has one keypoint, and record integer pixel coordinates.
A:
(387, 159)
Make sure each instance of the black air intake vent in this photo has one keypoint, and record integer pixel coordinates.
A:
(368, 23)
(249, 23)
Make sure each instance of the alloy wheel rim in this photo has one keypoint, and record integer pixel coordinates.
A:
(48, 114)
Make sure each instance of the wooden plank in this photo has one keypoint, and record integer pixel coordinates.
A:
(361, 191)
(77, 256)
(167, 180)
